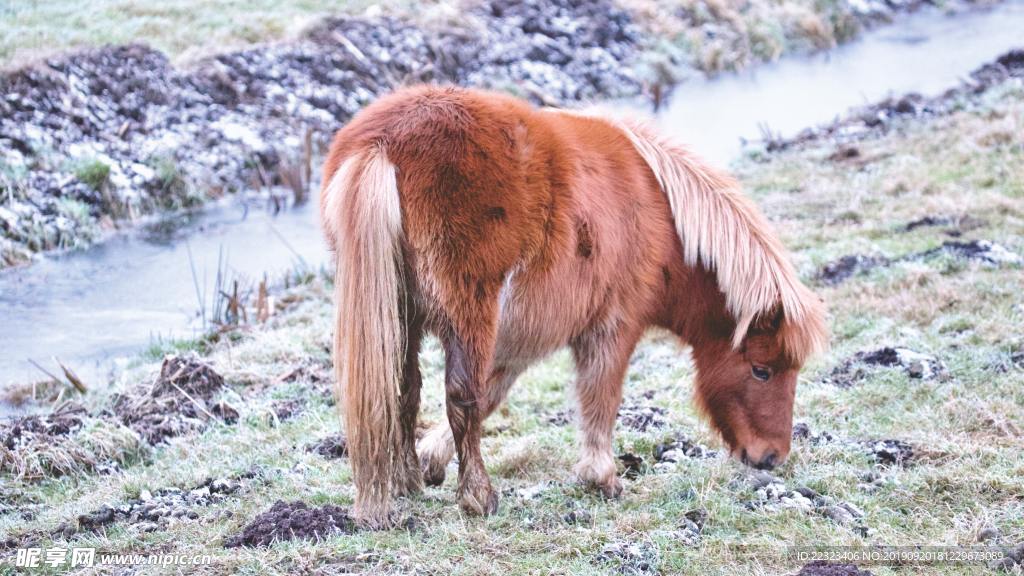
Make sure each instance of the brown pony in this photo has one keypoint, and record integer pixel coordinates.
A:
(510, 232)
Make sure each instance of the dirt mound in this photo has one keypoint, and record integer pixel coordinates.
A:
(43, 428)
(331, 447)
(983, 251)
(823, 568)
(66, 441)
(291, 521)
(178, 402)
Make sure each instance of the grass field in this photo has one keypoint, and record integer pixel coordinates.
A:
(965, 476)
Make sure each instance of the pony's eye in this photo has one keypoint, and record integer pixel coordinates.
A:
(761, 373)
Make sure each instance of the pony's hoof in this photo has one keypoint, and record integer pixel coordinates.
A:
(484, 504)
(433, 474)
(375, 520)
(612, 489)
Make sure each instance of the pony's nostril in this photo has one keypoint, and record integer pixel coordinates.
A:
(768, 462)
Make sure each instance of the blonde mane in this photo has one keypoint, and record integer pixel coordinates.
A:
(723, 230)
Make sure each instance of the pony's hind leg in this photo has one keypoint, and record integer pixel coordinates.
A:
(408, 479)
(602, 356)
(467, 355)
(437, 447)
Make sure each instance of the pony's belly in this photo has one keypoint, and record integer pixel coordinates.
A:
(537, 317)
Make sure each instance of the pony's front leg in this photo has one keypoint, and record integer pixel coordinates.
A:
(466, 364)
(602, 356)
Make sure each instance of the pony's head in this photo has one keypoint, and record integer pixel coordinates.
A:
(747, 390)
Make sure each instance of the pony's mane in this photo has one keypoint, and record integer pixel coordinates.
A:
(723, 230)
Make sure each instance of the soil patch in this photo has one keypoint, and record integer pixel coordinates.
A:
(983, 251)
(771, 493)
(156, 510)
(40, 430)
(65, 441)
(291, 521)
(178, 402)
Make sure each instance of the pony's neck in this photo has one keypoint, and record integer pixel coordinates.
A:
(695, 308)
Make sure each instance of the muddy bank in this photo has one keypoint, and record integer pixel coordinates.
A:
(117, 132)
(103, 136)
(71, 439)
(882, 116)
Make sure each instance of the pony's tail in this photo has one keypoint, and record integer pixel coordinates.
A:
(363, 218)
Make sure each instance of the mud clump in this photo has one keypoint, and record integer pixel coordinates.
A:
(983, 251)
(955, 225)
(331, 447)
(178, 402)
(633, 465)
(824, 568)
(857, 368)
(890, 452)
(848, 266)
(293, 521)
(284, 410)
(670, 452)
(642, 418)
(771, 493)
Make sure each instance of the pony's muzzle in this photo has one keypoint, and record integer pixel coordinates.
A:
(768, 461)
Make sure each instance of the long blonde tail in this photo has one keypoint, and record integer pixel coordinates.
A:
(363, 212)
